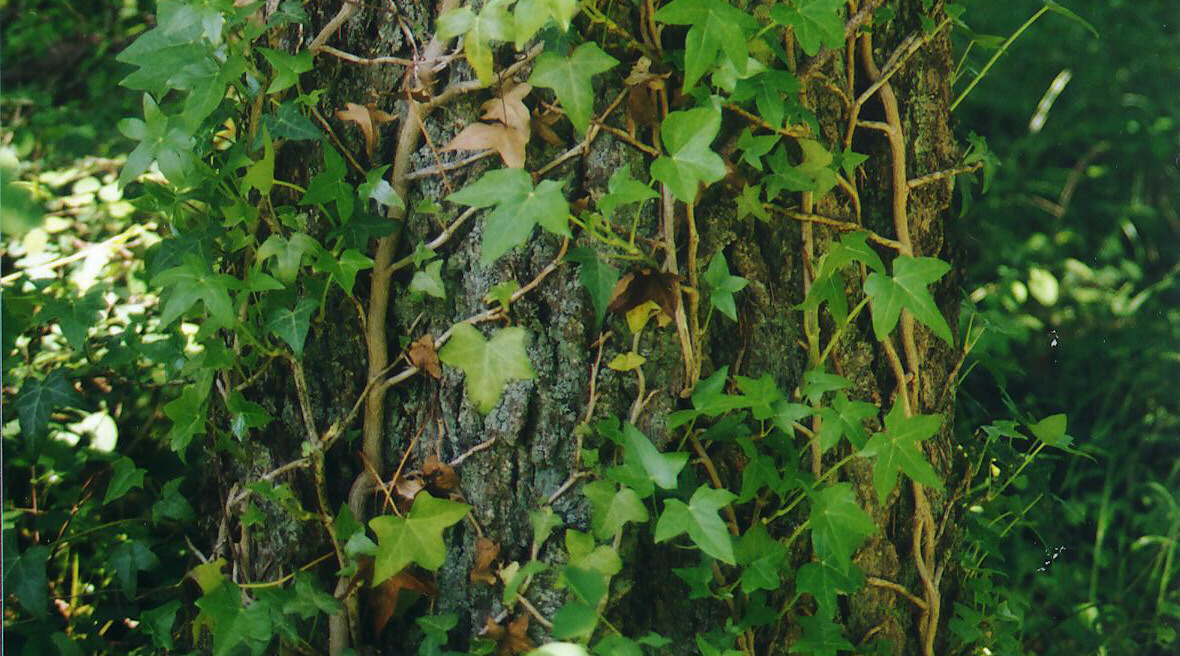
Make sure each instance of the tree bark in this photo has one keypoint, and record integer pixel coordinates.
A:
(525, 451)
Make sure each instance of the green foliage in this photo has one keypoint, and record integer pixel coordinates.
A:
(907, 289)
(569, 77)
(519, 208)
(488, 364)
(899, 449)
(690, 161)
(415, 538)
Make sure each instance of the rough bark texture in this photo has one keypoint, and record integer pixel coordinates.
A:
(533, 426)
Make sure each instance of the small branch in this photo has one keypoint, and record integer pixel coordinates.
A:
(469, 86)
(439, 169)
(793, 132)
(486, 444)
(365, 61)
(846, 226)
(438, 242)
(899, 589)
(347, 9)
(939, 175)
(532, 610)
(630, 140)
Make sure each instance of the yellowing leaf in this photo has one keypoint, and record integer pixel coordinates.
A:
(626, 361)
(489, 365)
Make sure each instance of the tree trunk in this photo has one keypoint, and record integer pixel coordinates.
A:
(523, 455)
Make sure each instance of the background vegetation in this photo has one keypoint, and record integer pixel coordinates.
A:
(1072, 263)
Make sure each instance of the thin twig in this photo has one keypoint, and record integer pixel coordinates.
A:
(899, 589)
(365, 61)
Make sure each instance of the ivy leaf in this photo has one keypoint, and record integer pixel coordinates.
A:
(161, 139)
(172, 503)
(612, 507)
(700, 520)
(37, 398)
(233, 625)
(622, 189)
(531, 15)
(292, 325)
(288, 254)
(662, 468)
(816, 22)
(907, 289)
(754, 148)
(760, 471)
(309, 600)
(261, 174)
(343, 270)
(288, 122)
(178, 40)
(24, 575)
(698, 578)
(329, 185)
(838, 525)
(158, 623)
(824, 583)
(722, 286)
(128, 560)
(124, 477)
(191, 282)
(844, 419)
(750, 202)
(493, 23)
(429, 281)
(716, 26)
(821, 637)
(488, 365)
(897, 449)
(519, 207)
(415, 538)
(710, 399)
(762, 393)
(818, 382)
(597, 276)
(689, 162)
(1051, 431)
(187, 415)
(585, 553)
(569, 77)
(287, 67)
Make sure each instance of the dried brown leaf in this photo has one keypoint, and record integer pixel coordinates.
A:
(368, 119)
(508, 142)
(423, 356)
(638, 287)
(513, 640)
(440, 475)
(384, 599)
(509, 109)
(486, 553)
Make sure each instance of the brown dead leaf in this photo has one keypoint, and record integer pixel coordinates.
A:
(542, 126)
(513, 640)
(638, 287)
(439, 474)
(507, 129)
(423, 356)
(497, 136)
(486, 553)
(385, 598)
(407, 489)
(368, 119)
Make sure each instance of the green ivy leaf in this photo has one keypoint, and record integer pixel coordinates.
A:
(287, 67)
(689, 161)
(191, 282)
(519, 207)
(816, 22)
(907, 289)
(128, 560)
(309, 599)
(37, 398)
(493, 23)
(343, 269)
(818, 382)
(158, 623)
(488, 365)
(661, 468)
(245, 415)
(330, 186)
(722, 286)
(622, 189)
(762, 558)
(415, 538)
(750, 202)
(24, 576)
(716, 26)
(897, 449)
(187, 414)
(844, 419)
(288, 122)
(838, 525)
(162, 139)
(709, 397)
(124, 478)
(1051, 431)
(760, 471)
(288, 254)
(821, 637)
(698, 578)
(261, 174)
(585, 553)
(172, 504)
(597, 276)
(612, 507)
(569, 77)
(176, 42)
(233, 625)
(824, 583)
(291, 325)
(531, 15)
(575, 620)
(429, 281)
(700, 520)
(755, 148)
